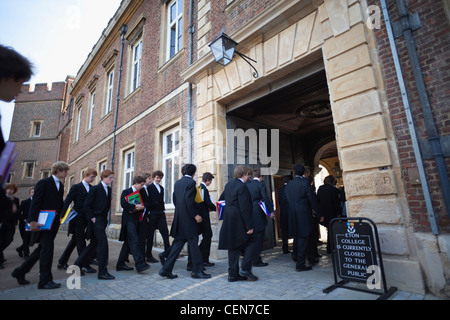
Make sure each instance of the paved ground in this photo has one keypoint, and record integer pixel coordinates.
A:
(278, 281)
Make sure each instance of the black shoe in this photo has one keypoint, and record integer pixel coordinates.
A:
(313, 260)
(261, 264)
(142, 267)
(106, 276)
(286, 251)
(303, 268)
(200, 275)
(20, 278)
(249, 275)
(152, 260)
(50, 285)
(208, 264)
(189, 267)
(89, 269)
(236, 278)
(167, 274)
(162, 258)
(124, 267)
(20, 252)
(62, 266)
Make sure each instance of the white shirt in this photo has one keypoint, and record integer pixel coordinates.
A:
(56, 181)
(86, 185)
(105, 186)
(157, 187)
(146, 190)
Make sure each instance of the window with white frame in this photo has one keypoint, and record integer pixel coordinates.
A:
(109, 91)
(136, 51)
(91, 111)
(174, 27)
(171, 162)
(77, 131)
(128, 168)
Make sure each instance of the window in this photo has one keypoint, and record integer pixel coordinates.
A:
(171, 162)
(77, 131)
(29, 168)
(128, 169)
(109, 91)
(91, 111)
(36, 127)
(101, 167)
(136, 65)
(174, 27)
(45, 174)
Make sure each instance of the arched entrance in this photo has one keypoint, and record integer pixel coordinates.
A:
(301, 111)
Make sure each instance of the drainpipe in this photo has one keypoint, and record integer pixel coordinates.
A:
(405, 25)
(412, 130)
(190, 122)
(123, 30)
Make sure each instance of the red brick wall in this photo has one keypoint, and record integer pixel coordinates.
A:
(157, 81)
(433, 45)
(40, 104)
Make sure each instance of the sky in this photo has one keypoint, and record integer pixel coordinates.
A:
(55, 35)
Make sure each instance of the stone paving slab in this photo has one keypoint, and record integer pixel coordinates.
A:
(278, 281)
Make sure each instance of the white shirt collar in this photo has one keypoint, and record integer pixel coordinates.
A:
(241, 180)
(57, 181)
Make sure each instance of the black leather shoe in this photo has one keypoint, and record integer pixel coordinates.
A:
(106, 276)
(208, 264)
(20, 278)
(62, 266)
(303, 268)
(261, 264)
(162, 258)
(124, 267)
(142, 267)
(89, 269)
(50, 285)
(249, 275)
(152, 260)
(236, 278)
(167, 274)
(200, 275)
(20, 252)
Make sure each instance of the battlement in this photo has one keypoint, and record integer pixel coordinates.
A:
(43, 91)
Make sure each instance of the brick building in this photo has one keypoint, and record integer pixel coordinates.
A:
(327, 88)
(35, 130)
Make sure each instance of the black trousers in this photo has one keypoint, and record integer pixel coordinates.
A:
(77, 241)
(205, 244)
(7, 231)
(99, 244)
(43, 253)
(302, 250)
(147, 230)
(175, 249)
(233, 258)
(25, 247)
(131, 244)
(255, 245)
